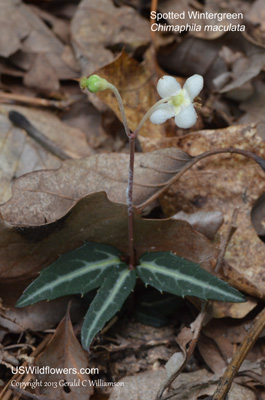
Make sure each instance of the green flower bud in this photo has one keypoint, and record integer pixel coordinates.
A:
(94, 83)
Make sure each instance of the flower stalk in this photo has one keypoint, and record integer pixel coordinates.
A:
(175, 102)
(129, 194)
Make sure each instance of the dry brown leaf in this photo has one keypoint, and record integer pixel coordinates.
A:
(193, 56)
(59, 26)
(256, 14)
(144, 385)
(50, 194)
(64, 351)
(230, 75)
(138, 91)
(14, 28)
(222, 183)
(21, 154)
(188, 386)
(207, 223)
(232, 310)
(25, 36)
(88, 119)
(24, 251)
(254, 108)
(100, 27)
(211, 355)
(244, 69)
(219, 343)
(38, 317)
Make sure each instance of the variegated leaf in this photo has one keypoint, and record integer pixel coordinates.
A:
(110, 297)
(78, 271)
(167, 272)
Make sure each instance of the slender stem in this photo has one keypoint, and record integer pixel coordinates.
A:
(129, 191)
(149, 112)
(130, 202)
(120, 102)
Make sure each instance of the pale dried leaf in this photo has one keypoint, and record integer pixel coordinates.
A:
(38, 317)
(174, 363)
(232, 310)
(99, 27)
(207, 223)
(254, 108)
(33, 46)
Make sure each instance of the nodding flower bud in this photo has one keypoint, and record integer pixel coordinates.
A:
(94, 83)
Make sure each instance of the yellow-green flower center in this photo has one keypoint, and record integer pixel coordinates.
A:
(179, 101)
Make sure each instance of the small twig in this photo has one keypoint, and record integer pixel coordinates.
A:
(232, 369)
(36, 101)
(198, 325)
(14, 346)
(153, 8)
(22, 122)
(231, 230)
(109, 325)
(113, 348)
(27, 394)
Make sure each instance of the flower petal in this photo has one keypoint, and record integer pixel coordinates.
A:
(186, 118)
(162, 113)
(193, 85)
(167, 86)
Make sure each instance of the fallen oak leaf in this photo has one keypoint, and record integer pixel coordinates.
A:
(55, 195)
(50, 194)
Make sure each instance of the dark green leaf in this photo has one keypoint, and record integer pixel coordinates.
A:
(110, 297)
(151, 317)
(172, 274)
(78, 271)
(155, 308)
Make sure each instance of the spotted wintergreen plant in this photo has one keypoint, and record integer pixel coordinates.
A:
(98, 265)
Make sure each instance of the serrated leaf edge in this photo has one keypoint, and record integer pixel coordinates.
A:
(117, 286)
(176, 274)
(89, 267)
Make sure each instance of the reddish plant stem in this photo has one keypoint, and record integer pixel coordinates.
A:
(130, 201)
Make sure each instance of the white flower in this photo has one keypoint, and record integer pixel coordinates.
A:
(180, 101)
